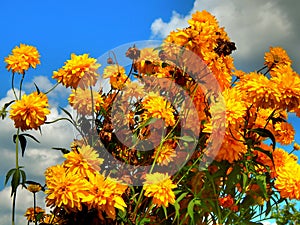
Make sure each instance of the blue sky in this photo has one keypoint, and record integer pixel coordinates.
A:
(59, 28)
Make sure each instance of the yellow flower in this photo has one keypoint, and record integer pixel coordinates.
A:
(81, 100)
(296, 146)
(147, 61)
(117, 76)
(232, 148)
(166, 153)
(105, 195)
(259, 90)
(80, 70)
(277, 56)
(83, 159)
(288, 181)
(230, 107)
(287, 83)
(65, 189)
(34, 188)
(159, 186)
(30, 112)
(158, 107)
(22, 59)
(284, 133)
(31, 214)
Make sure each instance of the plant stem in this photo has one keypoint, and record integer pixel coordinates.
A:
(21, 83)
(17, 168)
(34, 206)
(13, 85)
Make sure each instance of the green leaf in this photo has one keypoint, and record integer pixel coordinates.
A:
(165, 211)
(23, 175)
(22, 141)
(32, 137)
(37, 88)
(8, 104)
(15, 181)
(181, 196)
(262, 183)
(186, 138)
(39, 216)
(63, 150)
(8, 175)
(190, 210)
(265, 133)
(66, 112)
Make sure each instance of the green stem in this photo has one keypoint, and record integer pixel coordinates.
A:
(51, 89)
(21, 83)
(34, 206)
(13, 209)
(13, 85)
(17, 168)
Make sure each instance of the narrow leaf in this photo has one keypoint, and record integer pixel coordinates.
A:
(37, 88)
(265, 133)
(23, 143)
(63, 150)
(32, 137)
(8, 175)
(66, 112)
(8, 104)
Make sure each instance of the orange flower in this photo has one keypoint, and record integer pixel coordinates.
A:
(22, 59)
(30, 112)
(82, 160)
(31, 214)
(226, 202)
(80, 70)
(259, 90)
(276, 57)
(159, 186)
(288, 181)
(65, 189)
(117, 76)
(105, 195)
(284, 133)
(83, 101)
(158, 107)
(166, 154)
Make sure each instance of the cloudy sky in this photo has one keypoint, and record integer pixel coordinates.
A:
(58, 29)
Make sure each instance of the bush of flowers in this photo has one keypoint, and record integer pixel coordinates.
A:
(180, 137)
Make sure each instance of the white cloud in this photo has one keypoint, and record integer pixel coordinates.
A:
(24, 200)
(38, 156)
(253, 25)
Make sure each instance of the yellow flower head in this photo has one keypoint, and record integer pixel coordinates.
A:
(259, 90)
(65, 188)
(80, 70)
(117, 76)
(147, 61)
(284, 133)
(166, 153)
(81, 100)
(83, 159)
(34, 188)
(287, 83)
(159, 186)
(158, 107)
(31, 214)
(276, 57)
(232, 148)
(22, 59)
(288, 181)
(105, 195)
(30, 112)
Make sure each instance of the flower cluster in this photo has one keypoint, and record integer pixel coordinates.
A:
(180, 137)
